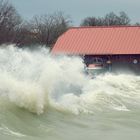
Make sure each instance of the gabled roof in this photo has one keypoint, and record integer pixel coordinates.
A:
(99, 41)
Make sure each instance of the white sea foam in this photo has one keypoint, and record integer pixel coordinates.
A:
(5, 130)
(34, 80)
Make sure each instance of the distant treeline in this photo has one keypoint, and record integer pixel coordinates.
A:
(45, 29)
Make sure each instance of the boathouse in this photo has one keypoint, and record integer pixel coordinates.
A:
(115, 45)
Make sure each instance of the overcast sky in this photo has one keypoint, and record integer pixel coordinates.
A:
(78, 9)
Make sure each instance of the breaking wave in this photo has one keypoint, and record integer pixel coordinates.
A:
(36, 80)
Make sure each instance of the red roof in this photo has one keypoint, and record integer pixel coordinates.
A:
(99, 40)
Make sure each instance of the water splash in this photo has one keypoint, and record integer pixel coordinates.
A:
(35, 80)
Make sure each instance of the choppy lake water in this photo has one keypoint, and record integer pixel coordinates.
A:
(43, 97)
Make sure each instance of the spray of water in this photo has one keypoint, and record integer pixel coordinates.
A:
(35, 80)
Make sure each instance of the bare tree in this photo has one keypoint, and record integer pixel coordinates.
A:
(108, 20)
(113, 19)
(48, 27)
(137, 24)
(9, 22)
(24, 35)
